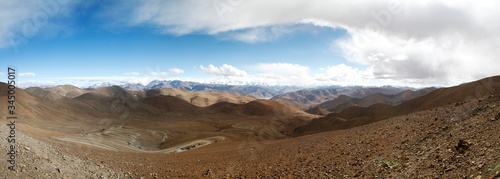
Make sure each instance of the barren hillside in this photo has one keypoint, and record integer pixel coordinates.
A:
(453, 141)
(310, 98)
(355, 115)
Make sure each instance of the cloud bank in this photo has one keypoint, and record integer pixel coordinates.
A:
(176, 71)
(288, 74)
(225, 70)
(28, 74)
(443, 41)
(158, 73)
(132, 74)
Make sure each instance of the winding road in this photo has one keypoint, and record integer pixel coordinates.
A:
(120, 138)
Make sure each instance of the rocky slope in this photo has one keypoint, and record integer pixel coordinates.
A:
(453, 141)
(356, 115)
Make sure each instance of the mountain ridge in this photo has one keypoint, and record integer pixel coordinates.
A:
(311, 98)
(343, 101)
(356, 115)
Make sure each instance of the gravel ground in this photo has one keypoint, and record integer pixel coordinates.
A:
(459, 140)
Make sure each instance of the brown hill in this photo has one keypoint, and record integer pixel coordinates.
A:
(112, 92)
(39, 111)
(344, 102)
(44, 93)
(113, 111)
(199, 98)
(307, 97)
(451, 141)
(338, 104)
(311, 98)
(57, 92)
(348, 118)
(374, 99)
(409, 94)
(172, 104)
(292, 103)
(260, 107)
(445, 96)
(317, 111)
(68, 91)
(356, 115)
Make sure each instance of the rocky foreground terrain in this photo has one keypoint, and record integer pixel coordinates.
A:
(459, 140)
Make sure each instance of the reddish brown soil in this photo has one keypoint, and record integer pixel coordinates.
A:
(458, 140)
(454, 141)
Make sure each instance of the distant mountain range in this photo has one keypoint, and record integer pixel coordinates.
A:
(261, 92)
(310, 98)
(305, 96)
(298, 97)
(343, 101)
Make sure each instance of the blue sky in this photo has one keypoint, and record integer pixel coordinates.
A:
(99, 53)
(249, 42)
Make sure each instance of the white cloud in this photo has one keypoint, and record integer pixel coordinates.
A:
(446, 59)
(343, 73)
(287, 74)
(226, 70)
(31, 83)
(176, 71)
(1, 73)
(273, 74)
(11, 14)
(28, 74)
(132, 74)
(85, 81)
(259, 34)
(441, 41)
(159, 73)
(291, 73)
(21, 20)
(286, 69)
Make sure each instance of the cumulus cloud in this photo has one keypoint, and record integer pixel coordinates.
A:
(225, 70)
(287, 74)
(285, 71)
(159, 73)
(28, 74)
(132, 74)
(295, 74)
(31, 83)
(176, 71)
(343, 73)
